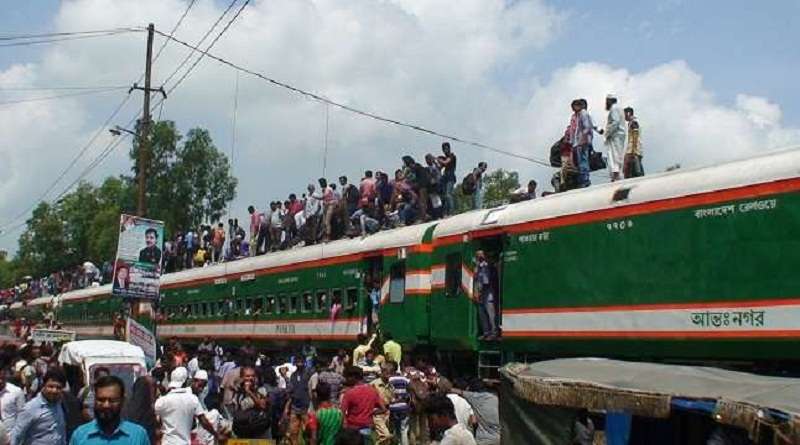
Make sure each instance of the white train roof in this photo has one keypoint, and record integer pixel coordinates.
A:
(402, 237)
(767, 168)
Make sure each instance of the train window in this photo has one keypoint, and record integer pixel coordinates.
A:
(452, 274)
(350, 300)
(397, 285)
(283, 304)
(257, 306)
(204, 310)
(308, 302)
(294, 303)
(248, 306)
(322, 301)
(270, 306)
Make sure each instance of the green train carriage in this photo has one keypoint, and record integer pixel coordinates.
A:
(687, 265)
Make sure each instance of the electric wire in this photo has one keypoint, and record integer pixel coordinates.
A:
(69, 33)
(58, 96)
(63, 88)
(357, 111)
(63, 39)
(174, 28)
(200, 42)
(75, 159)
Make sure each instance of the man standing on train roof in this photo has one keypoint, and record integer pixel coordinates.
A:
(486, 298)
(633, 152)
(151, 253)
(615, 137)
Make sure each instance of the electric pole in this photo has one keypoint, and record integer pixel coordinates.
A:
(144, 137)
(144, 132)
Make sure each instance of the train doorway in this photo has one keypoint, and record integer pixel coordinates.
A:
(488, 286)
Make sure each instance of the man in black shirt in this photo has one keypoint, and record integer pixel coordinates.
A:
(448, 164)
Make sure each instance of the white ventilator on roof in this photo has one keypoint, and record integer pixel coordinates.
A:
(762, 169)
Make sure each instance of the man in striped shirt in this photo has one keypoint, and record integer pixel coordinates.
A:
(400, 406)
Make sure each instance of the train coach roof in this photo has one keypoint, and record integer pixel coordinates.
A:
(653, 389)
(682, 182)
(401, 237)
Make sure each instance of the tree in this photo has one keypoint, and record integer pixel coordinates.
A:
(497, 186)
(43, 247)
(188, 183)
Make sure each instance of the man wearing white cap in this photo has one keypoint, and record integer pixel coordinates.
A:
(615, 137)
(178, 409)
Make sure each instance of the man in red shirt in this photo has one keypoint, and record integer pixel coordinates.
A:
(360, 402)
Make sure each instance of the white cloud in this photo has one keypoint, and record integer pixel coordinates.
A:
(428, 62)
(681, 120)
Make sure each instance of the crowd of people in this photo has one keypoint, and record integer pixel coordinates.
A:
(204, 394)
(416, 192)
(575, 153)
(329, 210)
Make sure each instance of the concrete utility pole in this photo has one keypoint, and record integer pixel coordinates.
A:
(144, 135)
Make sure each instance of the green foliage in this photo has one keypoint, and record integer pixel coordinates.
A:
(188, 180)
(497, 185)
(187, 184)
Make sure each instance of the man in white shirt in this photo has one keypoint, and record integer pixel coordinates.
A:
(12, 401)
(615, 137)
(178, 409)
(442, 422)
(463, 410)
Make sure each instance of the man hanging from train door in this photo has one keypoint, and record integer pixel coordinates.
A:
(486, 298)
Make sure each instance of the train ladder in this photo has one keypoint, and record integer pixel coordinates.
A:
(489, 362)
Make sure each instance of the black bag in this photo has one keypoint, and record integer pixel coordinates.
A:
(469, 184)
(251, 423)
(596, 160)
(555, 154)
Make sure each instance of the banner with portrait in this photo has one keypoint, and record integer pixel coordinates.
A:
(137, 269)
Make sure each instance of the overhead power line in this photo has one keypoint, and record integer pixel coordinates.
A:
(58, 96)
(59, 88)
(354, 110)
(210, 45)
(27, 41)
(174, 28)
(200, 42)
(69, 33)
(72, 163)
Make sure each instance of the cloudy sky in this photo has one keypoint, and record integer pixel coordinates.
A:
(710, 81)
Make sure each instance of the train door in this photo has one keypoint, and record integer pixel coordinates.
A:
(493, 252)
(404, 303)
(453, 324)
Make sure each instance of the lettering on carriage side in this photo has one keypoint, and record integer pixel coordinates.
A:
(761, 205)
(715, 211)
(535, 237)
(288, 280)
(714, 319)
(192, 291)
(509, 256)
(220, 280)
(619, 225)
(284, 329)
(321, 275)
(247, 277)
(353, 272)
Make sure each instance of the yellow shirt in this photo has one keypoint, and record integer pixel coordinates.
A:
(393, 351)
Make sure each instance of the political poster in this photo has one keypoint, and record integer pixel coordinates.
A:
(138, 335)
(137, 269)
